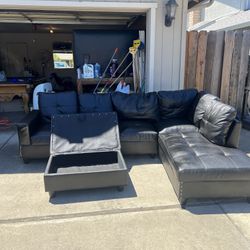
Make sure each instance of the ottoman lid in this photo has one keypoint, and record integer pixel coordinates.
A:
(84, 133)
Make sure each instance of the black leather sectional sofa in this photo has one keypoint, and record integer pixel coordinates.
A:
(194, 133)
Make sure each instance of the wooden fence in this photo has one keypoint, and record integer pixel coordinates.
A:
(217, 61)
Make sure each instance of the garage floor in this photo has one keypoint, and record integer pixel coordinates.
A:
(145, 216)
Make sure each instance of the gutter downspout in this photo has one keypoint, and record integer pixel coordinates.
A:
(203, 4)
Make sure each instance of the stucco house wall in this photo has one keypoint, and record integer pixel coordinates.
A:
(223, 8)
(223, 15)
(170, 48)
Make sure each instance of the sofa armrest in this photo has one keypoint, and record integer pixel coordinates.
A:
(233, 138)
(27, 126)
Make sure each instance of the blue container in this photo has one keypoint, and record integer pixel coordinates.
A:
(97, 70)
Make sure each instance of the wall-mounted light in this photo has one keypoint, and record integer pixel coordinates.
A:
(171, 7)
(51, 31)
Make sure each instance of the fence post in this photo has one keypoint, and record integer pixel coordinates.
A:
(214, 61)
(243, 71)
(247, 91)
(186, 62)
(217, 63)
(191, 59)
(209, 60)
(234, 76)
(201, 60)
(227, 64)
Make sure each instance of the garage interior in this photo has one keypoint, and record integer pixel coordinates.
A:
(37, 44)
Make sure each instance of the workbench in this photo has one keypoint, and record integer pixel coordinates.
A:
(93, 82)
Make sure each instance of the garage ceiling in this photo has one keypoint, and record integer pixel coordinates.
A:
(43, 21)
(87, 18)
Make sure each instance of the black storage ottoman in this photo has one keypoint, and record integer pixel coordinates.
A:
(84, 153)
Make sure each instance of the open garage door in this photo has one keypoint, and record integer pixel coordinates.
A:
(64, 17)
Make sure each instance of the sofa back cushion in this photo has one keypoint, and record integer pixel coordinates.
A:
(203, 104)
(57, 103)
(216, 121)
(91, 103)
(136, 106)
(176, 104)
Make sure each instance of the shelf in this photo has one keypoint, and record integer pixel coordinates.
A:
(88, 82)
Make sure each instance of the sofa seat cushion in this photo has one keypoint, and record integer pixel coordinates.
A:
(91, 103)
(136, 106)
(137, 131)
(164, 124)
(42, 136)
(194, 158)
(57, 103)
(176, 104)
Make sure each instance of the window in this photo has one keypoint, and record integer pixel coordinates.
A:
(63, 60)
(63, 56)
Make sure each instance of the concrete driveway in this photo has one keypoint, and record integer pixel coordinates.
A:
(146, 215)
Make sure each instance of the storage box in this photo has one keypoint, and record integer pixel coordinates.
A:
(84, 153)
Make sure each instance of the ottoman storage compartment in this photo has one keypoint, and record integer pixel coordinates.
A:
(85, 153)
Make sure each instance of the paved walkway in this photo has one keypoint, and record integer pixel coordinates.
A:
(146, 215)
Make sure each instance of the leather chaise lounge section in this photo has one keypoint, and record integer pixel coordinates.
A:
(195, 135)
(201, 159)
(199, 169)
